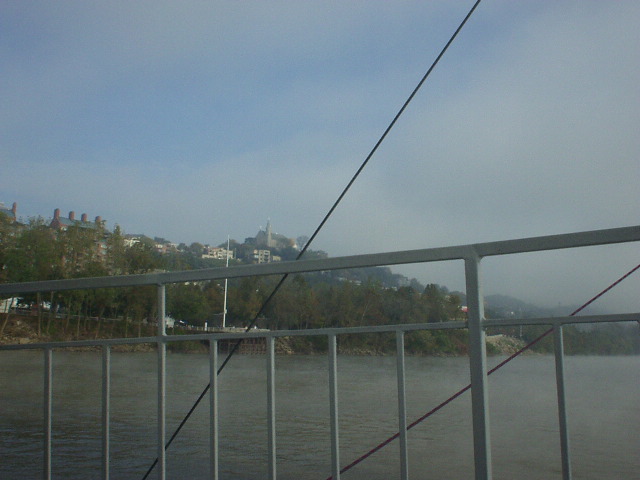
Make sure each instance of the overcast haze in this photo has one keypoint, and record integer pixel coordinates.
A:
(196, 120)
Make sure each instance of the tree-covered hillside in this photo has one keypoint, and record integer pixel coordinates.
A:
(358, 297)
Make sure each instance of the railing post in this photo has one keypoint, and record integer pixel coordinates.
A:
(48, 400)
(402, 406)
(106, 399)
(213, 409)
(271, 407)
(478, 370)
(162, 372)
(333, 402)
(562, 407)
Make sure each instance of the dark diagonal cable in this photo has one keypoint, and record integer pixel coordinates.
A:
(324, 220)
(383, 444)
(393, 122)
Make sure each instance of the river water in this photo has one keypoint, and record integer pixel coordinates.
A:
(603, 396)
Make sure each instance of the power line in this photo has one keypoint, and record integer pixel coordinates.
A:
(386, 442)
(322, 223)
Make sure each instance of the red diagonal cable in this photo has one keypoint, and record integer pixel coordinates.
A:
(317, 230)
(468, 387)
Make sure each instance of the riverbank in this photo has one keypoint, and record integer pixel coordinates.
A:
(21, 330)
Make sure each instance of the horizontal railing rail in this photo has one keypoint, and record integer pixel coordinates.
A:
(311, 332)
(476, 324)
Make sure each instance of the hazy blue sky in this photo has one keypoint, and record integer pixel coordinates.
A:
(195, 120)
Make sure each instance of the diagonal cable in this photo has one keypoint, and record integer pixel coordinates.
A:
(324, 220)
(383, 444)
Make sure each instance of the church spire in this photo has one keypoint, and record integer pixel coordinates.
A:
(269, 238)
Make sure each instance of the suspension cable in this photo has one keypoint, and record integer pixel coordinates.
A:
(237, 344)
(468, 387)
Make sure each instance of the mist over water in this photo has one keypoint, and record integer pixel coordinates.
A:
(602, 398)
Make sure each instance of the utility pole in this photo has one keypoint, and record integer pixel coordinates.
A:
(224, 307)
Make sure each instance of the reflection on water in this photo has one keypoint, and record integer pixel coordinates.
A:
(603, 394)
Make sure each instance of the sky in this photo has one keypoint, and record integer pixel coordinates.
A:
(195, 120)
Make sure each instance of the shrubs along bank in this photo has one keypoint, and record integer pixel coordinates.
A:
(608, 340)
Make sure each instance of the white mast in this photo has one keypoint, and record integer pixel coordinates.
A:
(224, 308)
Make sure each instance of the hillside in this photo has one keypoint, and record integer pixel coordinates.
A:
(346, 298)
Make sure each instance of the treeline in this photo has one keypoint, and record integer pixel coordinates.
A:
(337, 299)
(328, 299)
(601, 339)
(37, 252)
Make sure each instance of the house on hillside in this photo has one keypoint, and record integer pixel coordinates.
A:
(63, 223)
(163, 246)
(130, 239)
(11, 213)
(261, 256)
(217, 253)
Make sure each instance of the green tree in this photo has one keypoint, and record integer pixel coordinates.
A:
(295, 307)
(8, 234)
(339, 307)
(116, 252)
(79, 247)
(7, 239)
(452, 305)
(139, 304)
(35, 255)
(434, 300)
(214, 297)
(187, 302)
(245, 300)
(196, 249)
(141, 257)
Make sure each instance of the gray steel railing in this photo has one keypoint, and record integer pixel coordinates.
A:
(476, 324)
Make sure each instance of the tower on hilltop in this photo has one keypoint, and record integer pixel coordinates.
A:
(270, 242)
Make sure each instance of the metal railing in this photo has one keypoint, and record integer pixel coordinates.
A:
(476, 324)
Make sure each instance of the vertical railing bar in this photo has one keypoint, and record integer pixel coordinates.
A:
(271, 406)
(106, 410)
(478, 371)
(402, 407)
(213, 410)
(162, 383)
(562, 406)
(48, 400)
(333, 407)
